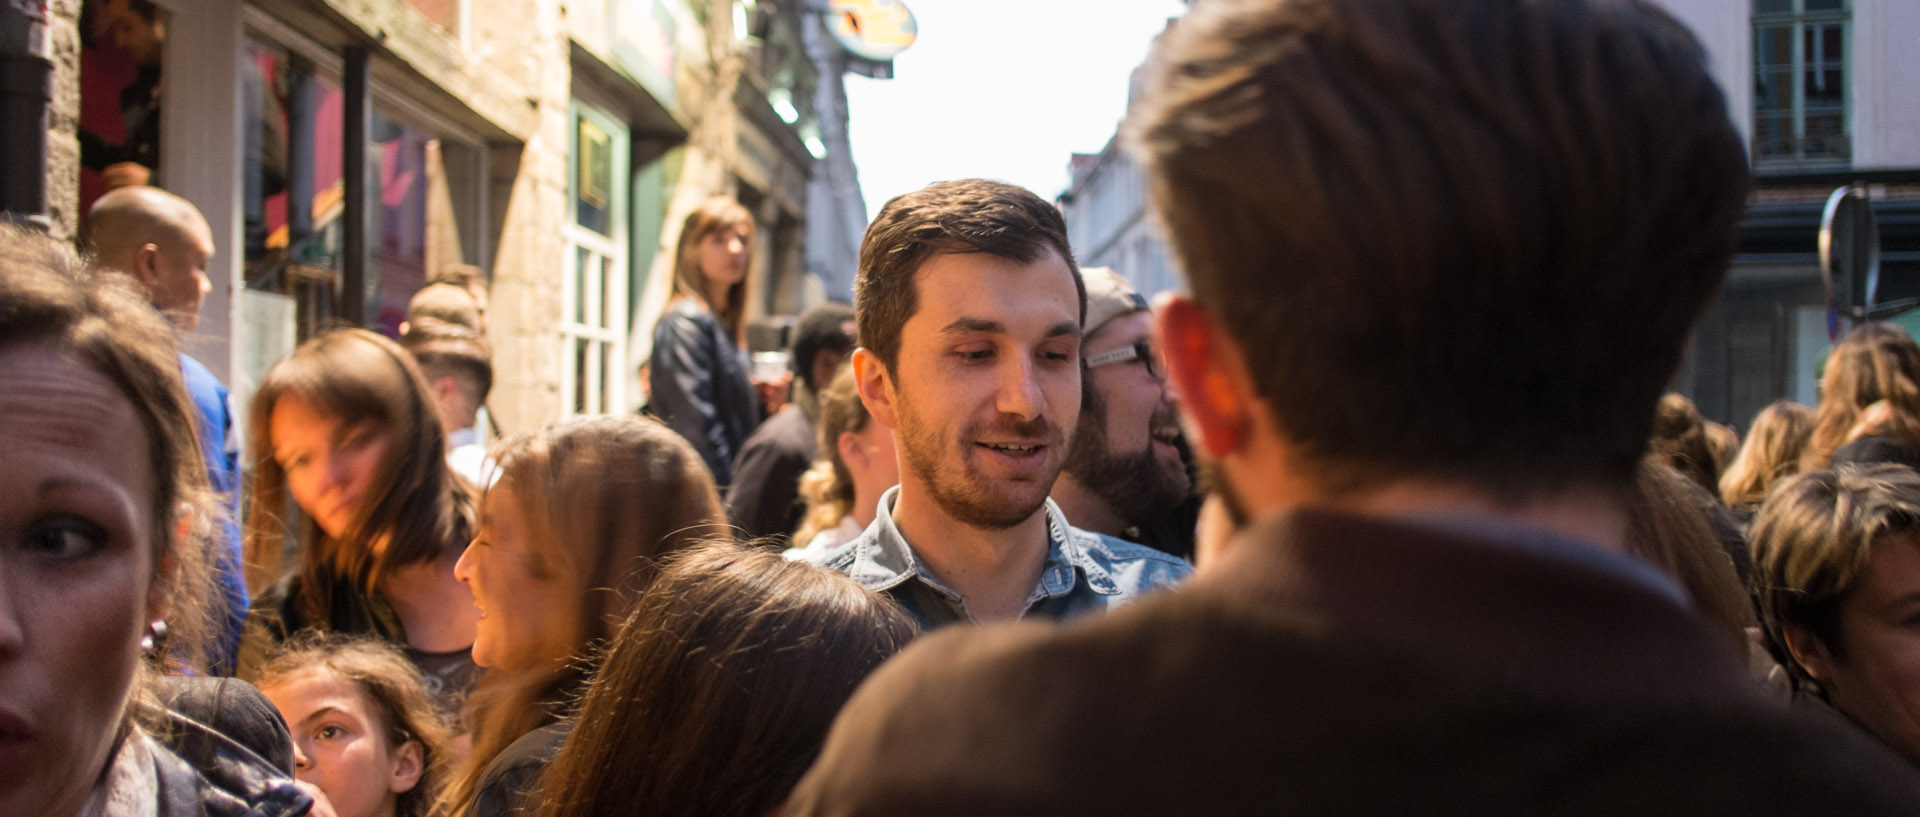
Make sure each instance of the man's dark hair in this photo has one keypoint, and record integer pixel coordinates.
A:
(822, 329)
(969, 215)
(1455, 238)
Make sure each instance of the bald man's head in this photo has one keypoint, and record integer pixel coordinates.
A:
(159, 239)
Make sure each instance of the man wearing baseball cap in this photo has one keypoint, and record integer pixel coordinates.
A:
(1125, 475)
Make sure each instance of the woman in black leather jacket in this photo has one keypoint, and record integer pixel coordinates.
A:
(698, 378)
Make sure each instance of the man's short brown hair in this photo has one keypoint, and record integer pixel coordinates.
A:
(965, 216)
(1461, 239)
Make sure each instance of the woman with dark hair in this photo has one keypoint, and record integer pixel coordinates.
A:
(718, 690)
(697, 377)
(366, 731)
(346, 428)
(104, 517)
(1869, 400)
(1668, 525)
(570, 536)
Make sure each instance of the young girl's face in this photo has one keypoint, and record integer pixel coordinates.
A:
(341, 744)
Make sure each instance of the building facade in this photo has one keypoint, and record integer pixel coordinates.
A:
(1819, 89)
(344, 150)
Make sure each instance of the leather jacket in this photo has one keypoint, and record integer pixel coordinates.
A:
(700, 388)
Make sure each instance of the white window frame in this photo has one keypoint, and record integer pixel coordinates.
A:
(1797, 20)
(606, 340)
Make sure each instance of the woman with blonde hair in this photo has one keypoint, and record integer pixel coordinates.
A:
(347, 429)
(1771, 453)
(856, 465)
(1875, 363)
(697, 376)
(570, 536)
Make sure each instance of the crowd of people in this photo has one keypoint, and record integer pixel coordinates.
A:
(1370, 521)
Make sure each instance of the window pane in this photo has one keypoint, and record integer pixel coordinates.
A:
(582, 269)
(608, 377)
(606, 293)
(293, 184)
(1772, 92)
(1772, 6)
(1821, 5)
(1772, 46)
(580, 375)
(1827, 136)
(1773, 135)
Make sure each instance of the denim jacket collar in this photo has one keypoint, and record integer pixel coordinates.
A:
(882, 558)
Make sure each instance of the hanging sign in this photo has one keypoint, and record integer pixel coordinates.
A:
(872, 29)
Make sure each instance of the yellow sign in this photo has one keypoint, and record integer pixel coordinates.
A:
(873, 29)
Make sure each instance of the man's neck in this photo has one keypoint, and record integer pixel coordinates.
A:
(993, 570)
(1086, 510)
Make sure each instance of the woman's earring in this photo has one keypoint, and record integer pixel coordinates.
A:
(156, 633)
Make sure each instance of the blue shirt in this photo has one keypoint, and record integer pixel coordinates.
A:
(220, 449)
(1084, 571)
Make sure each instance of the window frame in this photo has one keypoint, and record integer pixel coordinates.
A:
(1798, 21)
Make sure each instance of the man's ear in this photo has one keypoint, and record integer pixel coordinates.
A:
(1809, 652)
(445, 387)
(876, 387)
(146, 266)
(409, 763)
(1206, 370)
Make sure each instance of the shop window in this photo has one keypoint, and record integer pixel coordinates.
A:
(1800, 59)
(121, 44)
(295, 188)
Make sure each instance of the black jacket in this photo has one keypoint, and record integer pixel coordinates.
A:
(700, 389)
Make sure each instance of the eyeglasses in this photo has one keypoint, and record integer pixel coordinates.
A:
(1141, 350)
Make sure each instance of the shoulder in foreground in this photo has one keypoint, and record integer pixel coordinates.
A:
(1216, 703)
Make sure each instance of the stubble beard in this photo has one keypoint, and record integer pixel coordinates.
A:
(960, 491)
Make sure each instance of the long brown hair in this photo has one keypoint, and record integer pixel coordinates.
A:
(604, 498)
(1874, 362)
(719, 688)
(1667, 526)
(828, 484)
(1771, 453)
(713, 215)
(400, 698)
(418, 504)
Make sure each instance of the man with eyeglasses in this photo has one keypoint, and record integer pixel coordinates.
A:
(1126, 473)
(968, 308)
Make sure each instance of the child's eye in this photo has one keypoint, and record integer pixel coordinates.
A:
(328, 732)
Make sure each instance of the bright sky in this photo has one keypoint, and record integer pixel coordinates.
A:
(999, 89)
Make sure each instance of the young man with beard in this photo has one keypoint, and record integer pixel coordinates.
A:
(968, 308)
(1125, 474)
(1444, 256)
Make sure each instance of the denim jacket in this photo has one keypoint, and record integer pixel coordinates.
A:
(1084, 571)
